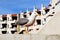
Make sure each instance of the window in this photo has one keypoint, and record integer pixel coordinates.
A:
(53, 7)
(22, 32)
(39, 12)
(13, 25)
(14, 18)
(4, 17)
(30, 13)
(38, 22)
(25, 16)
(4, 25)
(37, 28)
(13, 31)
(4, 32)
(46, 10)
(53, 12)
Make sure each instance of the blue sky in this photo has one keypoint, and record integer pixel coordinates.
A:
(14, 6)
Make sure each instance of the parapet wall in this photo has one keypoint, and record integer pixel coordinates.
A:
(29, 37)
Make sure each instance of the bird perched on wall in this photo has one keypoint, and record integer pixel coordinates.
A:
(27, 21)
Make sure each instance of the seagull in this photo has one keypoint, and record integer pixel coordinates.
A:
(27, 22)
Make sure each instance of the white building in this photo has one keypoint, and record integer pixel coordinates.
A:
(7, 22)
(46, 26)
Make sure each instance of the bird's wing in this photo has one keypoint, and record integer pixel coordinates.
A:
(31, 19)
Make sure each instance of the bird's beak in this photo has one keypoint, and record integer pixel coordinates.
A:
(38, 14)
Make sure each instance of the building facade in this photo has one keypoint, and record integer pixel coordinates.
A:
(7, 22)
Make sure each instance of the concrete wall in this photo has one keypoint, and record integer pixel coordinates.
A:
(29, 37)
(53, 26)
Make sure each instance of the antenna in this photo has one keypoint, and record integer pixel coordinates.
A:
(27, 9)
(34, 4)
(35, 9)
(42, 6)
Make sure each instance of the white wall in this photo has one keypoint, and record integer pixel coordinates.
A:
(54, 2)
(53, 26)
(29, 37)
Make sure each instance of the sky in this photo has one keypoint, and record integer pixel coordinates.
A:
(15, 6)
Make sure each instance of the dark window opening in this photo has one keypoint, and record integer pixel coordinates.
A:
(53, 7)
(13, 25)
(25, 16)
(30, 13)
(53, 12)
(44, 19)
(39, 12)
(46, 10)
(4, 32)
(30, 30)
(38, 22)
(22, 32)
(4, 18)
(57, 3)
(37, 28)
(13, 31)
(14, 18)
(4, 25)
(49, 5)
(50, 15)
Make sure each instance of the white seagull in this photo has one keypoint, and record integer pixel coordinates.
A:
(27, 21)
